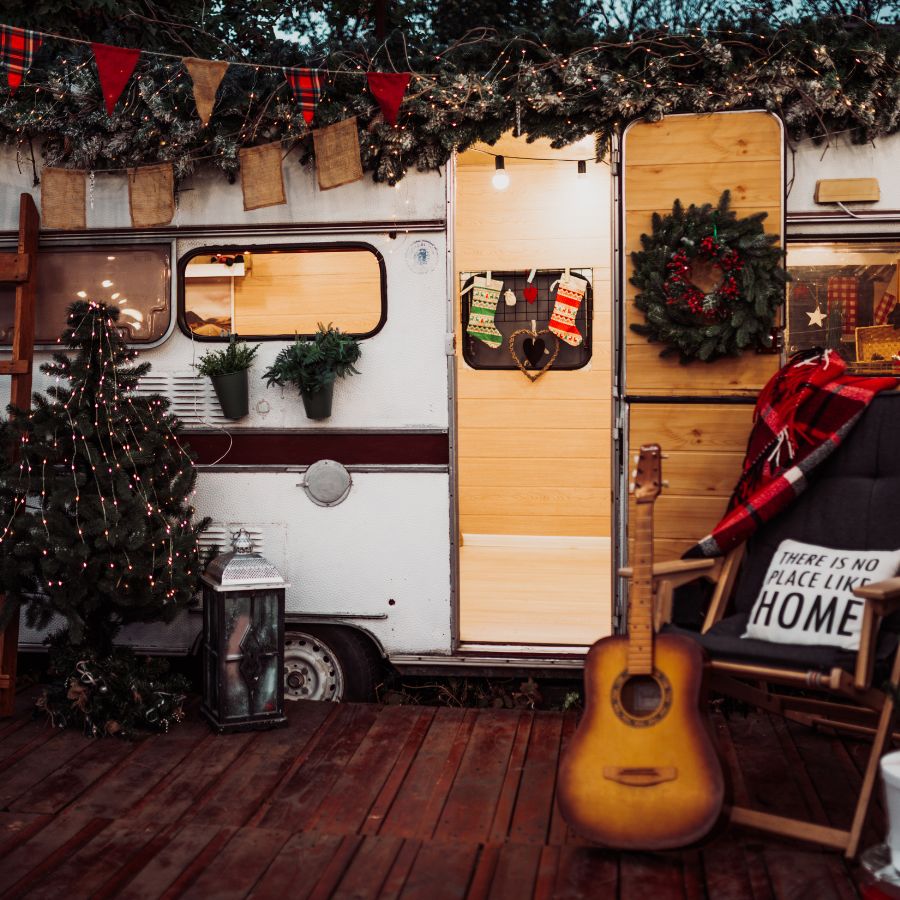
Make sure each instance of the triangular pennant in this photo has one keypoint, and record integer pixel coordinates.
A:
(114, 66)
(207, 75)
(388, 89)
(306, 86)
(17, 47)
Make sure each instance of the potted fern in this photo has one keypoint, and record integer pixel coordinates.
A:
(227, 369)
(313, 366)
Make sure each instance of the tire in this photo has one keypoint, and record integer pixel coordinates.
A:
(326, 662)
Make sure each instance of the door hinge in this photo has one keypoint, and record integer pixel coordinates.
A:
(614, 160)
(450, 344)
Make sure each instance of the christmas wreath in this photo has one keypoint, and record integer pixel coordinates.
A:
(741, 282)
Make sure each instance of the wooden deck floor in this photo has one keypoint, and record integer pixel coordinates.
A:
(356, 801)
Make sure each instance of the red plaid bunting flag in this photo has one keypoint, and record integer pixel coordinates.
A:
(306, 86)
(843, 296)
(883, 308)
(17, 47)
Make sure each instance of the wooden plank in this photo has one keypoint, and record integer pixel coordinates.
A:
(47, 849)
(509, 791)
(298, 866)
(441, 871)
(334, 871)
(369, 869)
(15, 366)
(19, 742)
(738, 137)
(586, 443)
(173, 855)
(589, 872)
(16, 828)
(756, 183)
(419, 802)
(399, 873)
(559, 526)
(472, 800)
(144, 772)
(534, 804)
(15, 268)
(561, 415)
(656, 876)
(239, 864)
(560, 833)
(692, 427)
(725, 871)
(244, 787)
(574, 500)
(796, 871)
(696, 473)
(298, 799)
(475, 472)
(516, 872)
(92, 864)
(69, 781)
(682, 517)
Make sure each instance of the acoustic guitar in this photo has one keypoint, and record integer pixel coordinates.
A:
(641, 771)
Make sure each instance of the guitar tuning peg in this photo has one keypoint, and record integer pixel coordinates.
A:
(664, 456)
(634, 473)
(630, 487)
(665, 484)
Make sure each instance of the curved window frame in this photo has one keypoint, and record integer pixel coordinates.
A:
(263, 248)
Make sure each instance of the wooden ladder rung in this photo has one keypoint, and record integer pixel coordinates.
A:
(14, 366)
(15, 268)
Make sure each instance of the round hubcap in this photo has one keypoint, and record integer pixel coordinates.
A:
(311, 671)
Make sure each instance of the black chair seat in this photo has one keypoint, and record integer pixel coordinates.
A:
(724, 641)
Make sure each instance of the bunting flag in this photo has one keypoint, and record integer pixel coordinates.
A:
(388, 89)
(262, 179)
(114, 66)
(306, 86)
(207, 75)
(62, 199)
(17, 48)
(337, 154)
(151, 195)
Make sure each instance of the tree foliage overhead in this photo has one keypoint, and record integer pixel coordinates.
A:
(546, 68)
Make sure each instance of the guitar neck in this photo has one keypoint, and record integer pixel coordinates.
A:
(640, 613)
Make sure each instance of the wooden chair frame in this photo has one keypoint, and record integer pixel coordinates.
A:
(866, 710)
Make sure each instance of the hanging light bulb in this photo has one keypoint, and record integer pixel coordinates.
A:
(500, 180)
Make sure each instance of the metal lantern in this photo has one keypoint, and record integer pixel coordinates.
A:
(243, 615)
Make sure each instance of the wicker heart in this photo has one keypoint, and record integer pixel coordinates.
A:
(535, 340)
(534, 348)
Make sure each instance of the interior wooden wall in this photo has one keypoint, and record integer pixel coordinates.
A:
(694, 158)
(534, 458)
(288, 293)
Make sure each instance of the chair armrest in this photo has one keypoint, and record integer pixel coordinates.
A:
(883, 596)
(675, 567)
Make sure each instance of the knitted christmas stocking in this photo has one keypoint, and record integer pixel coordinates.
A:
(485, 296)
(569, 294)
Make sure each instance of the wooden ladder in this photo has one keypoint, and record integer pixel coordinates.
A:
(20, 269)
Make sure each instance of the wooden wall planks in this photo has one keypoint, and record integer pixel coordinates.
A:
(695, 158)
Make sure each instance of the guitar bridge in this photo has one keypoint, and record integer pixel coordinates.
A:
(640, 776)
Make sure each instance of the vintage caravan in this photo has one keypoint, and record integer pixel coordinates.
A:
(466, 504)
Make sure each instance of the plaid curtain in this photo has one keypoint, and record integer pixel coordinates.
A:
(843, 296)
(306, 86)
(883, 308)
(17, 48)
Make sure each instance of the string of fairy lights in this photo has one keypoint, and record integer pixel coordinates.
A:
(115, 406)
(523, 79)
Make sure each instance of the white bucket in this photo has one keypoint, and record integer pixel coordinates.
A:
(890, 774)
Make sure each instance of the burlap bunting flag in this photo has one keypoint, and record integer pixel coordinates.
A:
(114, 66)
(151, 195)
(17, 48)
(62, 199)
(337, 154)
(388, 89)
(262, 180)
(306, 87)
(207, 75)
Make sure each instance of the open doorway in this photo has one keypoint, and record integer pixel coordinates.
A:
(533, 253)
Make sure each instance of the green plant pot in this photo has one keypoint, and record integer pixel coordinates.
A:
(233, 393)
(318, 404)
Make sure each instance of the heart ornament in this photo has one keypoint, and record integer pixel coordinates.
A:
(534, 348)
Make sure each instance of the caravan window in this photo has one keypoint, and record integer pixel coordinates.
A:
(136, 279)
(280, 292)
(843, 296)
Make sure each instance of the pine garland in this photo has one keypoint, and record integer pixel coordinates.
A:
(821, 76)
(737, 314)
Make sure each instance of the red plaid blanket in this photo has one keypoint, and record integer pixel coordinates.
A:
(801, 417)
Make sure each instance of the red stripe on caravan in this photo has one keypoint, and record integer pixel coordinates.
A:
(266, 448)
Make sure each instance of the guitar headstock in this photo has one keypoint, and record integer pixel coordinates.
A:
(648, 474)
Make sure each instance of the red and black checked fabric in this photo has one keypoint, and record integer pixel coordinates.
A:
(17, 48)
(883, 308)
(306, 86)
(843, 296)
(802, 415)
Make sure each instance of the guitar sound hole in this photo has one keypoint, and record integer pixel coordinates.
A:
(641, 696)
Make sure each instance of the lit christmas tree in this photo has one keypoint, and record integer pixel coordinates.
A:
(95, 494)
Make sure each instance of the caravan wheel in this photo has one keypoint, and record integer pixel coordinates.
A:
(328, 663)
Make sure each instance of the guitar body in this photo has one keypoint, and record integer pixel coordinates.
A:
(641, 771)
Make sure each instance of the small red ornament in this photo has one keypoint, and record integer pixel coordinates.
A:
(530, 292)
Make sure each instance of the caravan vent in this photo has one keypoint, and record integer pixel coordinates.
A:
(219, 534)
(193, 399)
